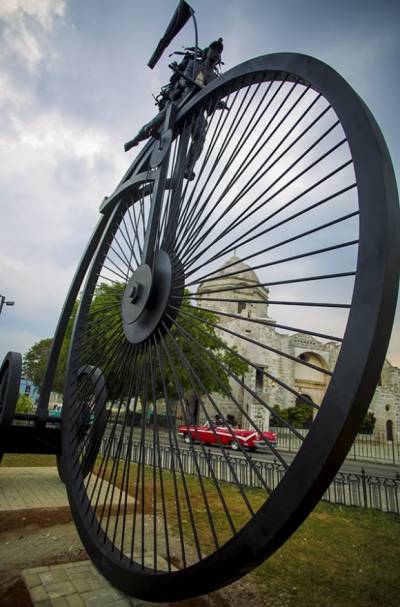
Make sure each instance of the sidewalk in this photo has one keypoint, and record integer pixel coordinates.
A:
(22, 488)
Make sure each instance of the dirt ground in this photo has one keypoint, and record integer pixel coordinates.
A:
(35, 537)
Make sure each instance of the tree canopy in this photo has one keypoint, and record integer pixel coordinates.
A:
(192, 354)
(24, 404)
(35, 360)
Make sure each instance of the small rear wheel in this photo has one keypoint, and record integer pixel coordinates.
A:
(10, 377)
(59, 461)
(234, 445)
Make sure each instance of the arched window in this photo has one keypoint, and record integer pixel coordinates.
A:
(259, 379)
(389, 430)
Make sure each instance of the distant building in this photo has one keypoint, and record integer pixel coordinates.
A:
(305, 380)
(28, 388)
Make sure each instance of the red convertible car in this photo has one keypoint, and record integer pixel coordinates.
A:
(234, 437)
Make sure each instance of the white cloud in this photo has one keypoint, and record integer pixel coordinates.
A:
(43, 11)
(52, 131)
(21, 38)
(54, 172)
(11, 93)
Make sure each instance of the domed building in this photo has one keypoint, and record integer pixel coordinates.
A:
(241, 303)
(241, 284)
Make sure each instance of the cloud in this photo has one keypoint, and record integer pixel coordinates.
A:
(55, 172)
(11, 94)
(22, 25)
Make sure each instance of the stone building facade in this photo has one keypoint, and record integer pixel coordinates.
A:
(268, 364)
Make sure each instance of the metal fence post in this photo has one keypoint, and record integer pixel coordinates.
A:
(364, 486)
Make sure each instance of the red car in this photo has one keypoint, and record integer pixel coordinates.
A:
(217, 435)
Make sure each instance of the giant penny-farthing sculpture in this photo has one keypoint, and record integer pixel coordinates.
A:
(295, 178)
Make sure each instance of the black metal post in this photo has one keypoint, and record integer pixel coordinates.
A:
(3, 301)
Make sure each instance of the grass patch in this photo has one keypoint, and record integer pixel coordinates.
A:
(339, 556)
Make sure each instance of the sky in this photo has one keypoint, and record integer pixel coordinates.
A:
(74, 86)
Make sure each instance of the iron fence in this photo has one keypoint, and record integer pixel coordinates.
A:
(371, 447)
(347, 489)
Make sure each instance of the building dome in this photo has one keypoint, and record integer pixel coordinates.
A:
(237, 271)
(235, 280)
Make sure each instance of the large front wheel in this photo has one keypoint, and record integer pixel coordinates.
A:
(270, 283)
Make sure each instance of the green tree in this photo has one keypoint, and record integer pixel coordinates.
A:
(299, 416)
(368, 424)
(35, 361)
(283, 415)
(179, 351)
(24, 404)
(59, 377)
(191, 342)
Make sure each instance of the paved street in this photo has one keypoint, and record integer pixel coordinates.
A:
(350, 465)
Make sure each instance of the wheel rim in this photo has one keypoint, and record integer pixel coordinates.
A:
(90, 420)
(10, 377)
(336, 183)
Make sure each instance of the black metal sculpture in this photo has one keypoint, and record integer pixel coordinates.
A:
(298, 177)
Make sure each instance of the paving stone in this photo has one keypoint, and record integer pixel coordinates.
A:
(37, 570)
(60, 576)
(108, 598)
(97, 583)
(60, 589)
(82, 586)
(32, 580)
(79, 575)
(60, 602)
(95, 598)
(104, 597)
(116, 594)
(82, 570)
(75, 600)
(38, 594)
(46, 603)
(47, 577)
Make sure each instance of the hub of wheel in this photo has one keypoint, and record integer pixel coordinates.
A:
(146, 298)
